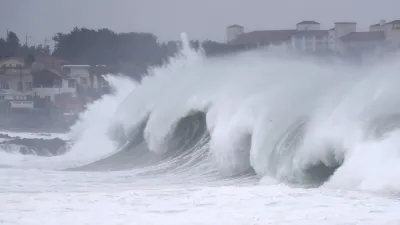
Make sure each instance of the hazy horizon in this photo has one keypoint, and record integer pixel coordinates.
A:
(205, 19)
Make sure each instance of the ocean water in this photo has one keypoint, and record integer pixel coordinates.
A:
(112, 198)
(262, 137)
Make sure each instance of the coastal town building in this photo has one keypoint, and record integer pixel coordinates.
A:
(236, 35)
(16, 83)
(47, 82)
(79, 73)
(48, 79)
(233, 32)
(308, 36)
(15, 75)
(15, 100)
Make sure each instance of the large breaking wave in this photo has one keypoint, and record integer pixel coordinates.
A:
(268, 113)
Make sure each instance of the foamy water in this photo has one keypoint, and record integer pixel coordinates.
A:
(261, 137)
(33, 135)
(105, 199)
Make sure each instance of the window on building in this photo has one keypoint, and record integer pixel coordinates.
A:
(57, 83)
(67, 70)
(321, 45)
(71, 83)
(83, 80)
(28, 86)
(20, 87)
(309, 44)
(4, 85)
(298, 42)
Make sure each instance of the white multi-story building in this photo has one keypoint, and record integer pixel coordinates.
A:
(85, 76)
(15, 75)
(306, 37)
(308, 25)
(16, 83)
(378, 27)
(16, 99)
(49, 83)
(392, 33)
(343, 38)
(380, 37)
(315, 40)
(79, 73)
(309, 37)
(233, 31)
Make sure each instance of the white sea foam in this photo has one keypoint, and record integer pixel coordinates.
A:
(283, 116)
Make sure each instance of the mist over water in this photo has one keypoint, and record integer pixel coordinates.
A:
(89, 138)
(266, 113)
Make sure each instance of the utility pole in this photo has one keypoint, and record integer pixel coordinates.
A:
(48, 43)
(26, 39)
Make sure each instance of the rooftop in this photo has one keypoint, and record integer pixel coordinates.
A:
(77, 66)
(317, 33)
(264, 37)
(235, 25)
(364, 36)
(4, 92)
(345, 23)
(308, 22)
(13, 58)
(49, 59)
(394, 22)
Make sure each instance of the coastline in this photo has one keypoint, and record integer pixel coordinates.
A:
(39, 144)
(35, 122)
(34, 134)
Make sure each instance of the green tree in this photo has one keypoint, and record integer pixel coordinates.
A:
(29, 59)
(131, 52)
(12, 44)
(3, 47)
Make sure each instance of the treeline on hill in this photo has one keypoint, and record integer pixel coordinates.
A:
(128, 53)
(11, 46)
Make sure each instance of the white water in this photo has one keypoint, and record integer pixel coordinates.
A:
(32, 135)
(261, 95)
(90, 135)
(254, 102)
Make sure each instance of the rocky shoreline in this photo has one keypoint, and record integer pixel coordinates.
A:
(33, 146)
(35, 121)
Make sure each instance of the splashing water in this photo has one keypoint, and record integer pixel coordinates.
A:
(292, 119)
(90, 136)
(287, 119)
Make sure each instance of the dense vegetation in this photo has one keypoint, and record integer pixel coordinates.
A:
(11, 46)
(129, 53)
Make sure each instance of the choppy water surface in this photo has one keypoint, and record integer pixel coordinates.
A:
(255, 138)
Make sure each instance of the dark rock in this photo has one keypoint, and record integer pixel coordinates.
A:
(6, 136)
(40, 147)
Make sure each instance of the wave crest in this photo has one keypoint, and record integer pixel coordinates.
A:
(293, 120)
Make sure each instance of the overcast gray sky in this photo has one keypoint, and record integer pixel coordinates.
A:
(201, 19)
